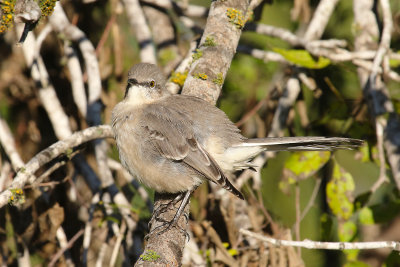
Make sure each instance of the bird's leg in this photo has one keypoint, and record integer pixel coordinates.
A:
(164, 207)
(168, 224)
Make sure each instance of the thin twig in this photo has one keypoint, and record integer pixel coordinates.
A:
(105, 34)
(312, 198)
(298, 211)
(253, 111)
(88, 228)
(381, 153)
(323, 245)
(384, 45)
(69, 245)
(118, 242)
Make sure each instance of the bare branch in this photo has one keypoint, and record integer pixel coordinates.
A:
(273, 31)
(181, 6)
(61, 147)
(5, 175)
(384, 45)
(164, 37)
(224, 33)
(266, 56)
(377, 95)
(47, 93)
(138, 23)
(207, 73)
(117, 245)
(60, 23)
(78, 87)
(320, 19)
(64, 248)
(8, 143)
(87, 233)
(323, 245)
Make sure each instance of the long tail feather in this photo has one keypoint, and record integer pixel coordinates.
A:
(304, 143)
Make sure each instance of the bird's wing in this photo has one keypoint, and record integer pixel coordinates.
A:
(171, 133)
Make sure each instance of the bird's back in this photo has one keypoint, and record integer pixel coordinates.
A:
(208, 121)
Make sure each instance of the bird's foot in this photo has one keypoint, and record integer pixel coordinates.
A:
(164, 208)
(167, 225)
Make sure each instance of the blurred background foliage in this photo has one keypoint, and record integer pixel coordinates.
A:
(344, 208)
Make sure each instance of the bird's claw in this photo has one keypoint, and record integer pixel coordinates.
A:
(166, 225)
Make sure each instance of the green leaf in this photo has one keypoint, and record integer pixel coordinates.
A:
(339, 193)
(347, 231)
(301, 165)
(366, 216)
(356, 264)
(394, 63)
(303, 58)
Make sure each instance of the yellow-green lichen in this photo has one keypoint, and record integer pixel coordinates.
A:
(69, 152)
(219, 80)
(179, 77)
(7, 8)
(197, 54)
(149, 255)
(209, 41)
(47, 7)
(249, 16)
(17, 196)
(236, 17)
(201, 76)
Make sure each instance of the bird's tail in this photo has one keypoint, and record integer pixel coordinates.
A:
(303, 143)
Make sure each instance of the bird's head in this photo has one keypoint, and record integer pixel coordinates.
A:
(146, 83)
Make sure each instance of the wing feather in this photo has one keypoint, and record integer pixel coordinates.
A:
(171, 133)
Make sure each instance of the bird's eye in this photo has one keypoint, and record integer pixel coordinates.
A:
(152, 84)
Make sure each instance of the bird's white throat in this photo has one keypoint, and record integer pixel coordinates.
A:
(138, 95)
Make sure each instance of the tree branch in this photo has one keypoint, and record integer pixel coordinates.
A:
(323, 245)
(214, 62)
(24, 176)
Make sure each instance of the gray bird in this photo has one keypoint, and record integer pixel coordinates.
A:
(172, 143)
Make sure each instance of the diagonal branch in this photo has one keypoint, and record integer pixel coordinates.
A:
(53, 151)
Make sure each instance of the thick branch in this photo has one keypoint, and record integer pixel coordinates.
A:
(214, 63)
(224, 27)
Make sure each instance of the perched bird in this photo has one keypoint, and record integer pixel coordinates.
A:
(172, 143)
